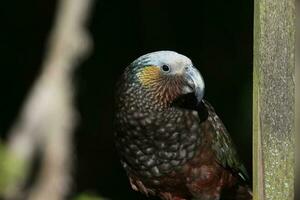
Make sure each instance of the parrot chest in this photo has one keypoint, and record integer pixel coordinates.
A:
(153, 145)
(198, 176)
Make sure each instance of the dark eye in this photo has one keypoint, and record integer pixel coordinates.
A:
(165, 68)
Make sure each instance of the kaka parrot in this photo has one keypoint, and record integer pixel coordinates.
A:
(171, 142)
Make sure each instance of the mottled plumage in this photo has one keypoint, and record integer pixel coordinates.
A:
(171, 142)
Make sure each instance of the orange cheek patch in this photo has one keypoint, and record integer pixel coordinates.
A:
(149, 75)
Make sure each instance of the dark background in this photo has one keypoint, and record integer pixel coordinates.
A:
(216, 35)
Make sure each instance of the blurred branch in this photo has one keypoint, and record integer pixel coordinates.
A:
(48, 118)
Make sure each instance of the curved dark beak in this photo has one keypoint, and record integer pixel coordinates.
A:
(195, 82)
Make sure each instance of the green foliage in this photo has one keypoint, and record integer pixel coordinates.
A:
(12, 169)
(86, 196)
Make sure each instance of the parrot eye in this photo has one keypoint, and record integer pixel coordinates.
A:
(165, 68)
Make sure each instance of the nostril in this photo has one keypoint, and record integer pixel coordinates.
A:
(186, 68)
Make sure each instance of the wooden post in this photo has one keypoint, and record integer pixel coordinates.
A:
(274, 99)
(297, 173)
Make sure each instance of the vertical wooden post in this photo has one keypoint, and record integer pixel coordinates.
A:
(297, 172)
(274, 99)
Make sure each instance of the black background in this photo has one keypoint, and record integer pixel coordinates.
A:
(216, 35)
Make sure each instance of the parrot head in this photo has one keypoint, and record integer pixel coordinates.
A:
(164, 76)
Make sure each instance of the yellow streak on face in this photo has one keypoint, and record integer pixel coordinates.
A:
(149, 75)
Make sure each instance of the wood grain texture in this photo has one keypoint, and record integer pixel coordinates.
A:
(274, 99)
(297, 88)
